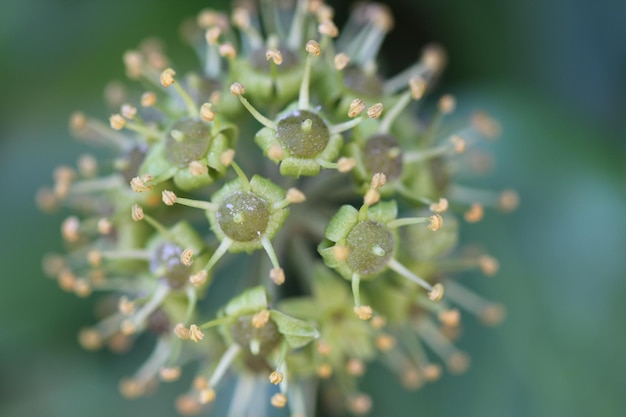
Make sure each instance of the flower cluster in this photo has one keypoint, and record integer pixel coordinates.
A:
(353, 204)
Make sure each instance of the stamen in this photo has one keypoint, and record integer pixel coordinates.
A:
(313, 49)
(403, 271)
(217, 255)
(341, 61)
(237, 89)
(132, 324)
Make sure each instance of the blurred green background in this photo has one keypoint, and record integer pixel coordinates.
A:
(554, 74)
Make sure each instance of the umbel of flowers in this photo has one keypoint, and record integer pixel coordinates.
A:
(288, 145)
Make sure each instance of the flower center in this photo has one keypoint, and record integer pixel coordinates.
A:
(382, 153)
(370, 247)
(188, 140)
(303, 133)
(243, 216)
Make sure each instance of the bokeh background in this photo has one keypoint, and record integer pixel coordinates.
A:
(553, 72)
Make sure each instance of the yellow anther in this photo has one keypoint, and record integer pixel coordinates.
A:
(276, 377)
(167, 77)
(436, 222)
(313, 48)
(356, 107)
(198, 278)
(363, 312)
(195, 334)
(260, 319)
(117, 122)
(375, 111)
(436, 293)
(341, 61)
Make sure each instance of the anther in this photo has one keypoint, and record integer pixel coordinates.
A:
(439, 207)
(46, 200)
(66, 279)
(198, 278)
(341, 252)
(260, 319)
(187, 405)
(488, 265)
(125, 306)
(212, 35)
(227, 50)
(275, 152)
(70, 228)
(206, 396)
(87, 166)
(432, 372)
(197, 168)
(328, 28)
(94, 257)
(237, 89)
(169, 374)
(436, 222)
(324, 371)
(117, 122)
(345, 164)
(378, 322)
(274, 55)
(78, 121)
(492, 314)
(378, 180)
(133, 61)
(323, 348)
(434, 57)
(279, 400)
(131, 388)
(360, 404)
(385, 342)
(458, 143)
(436, 293)
(371, 197)
(375, 111)
(474, 214)
(186, 257)
(148, 99)
(276, 377)
(458, 363)
(450, 318)
(128, 111)
(195, 334)
(227, 157)
(313, 48)
(417, 85)
(363, 312)
(182, 332)
(168, 197)
(104, 226)
(447, 104)
(138, 184)
(136, 213)
(206, 112)
(167, 77)
(486, 125)
(127, 327)
(295, 196)
(82, 288)
(508, 200)
(341, 61)
(200, 383)
(90, 339)
(277, 275)
(356, 107)
(241, 17)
